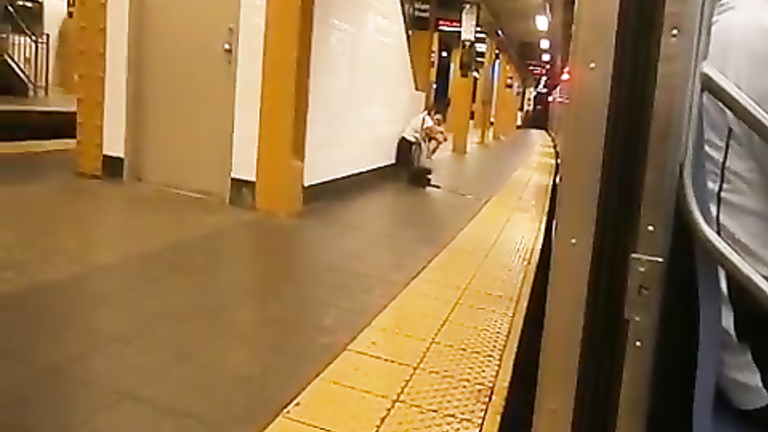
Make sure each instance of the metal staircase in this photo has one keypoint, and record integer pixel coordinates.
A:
(25, 65)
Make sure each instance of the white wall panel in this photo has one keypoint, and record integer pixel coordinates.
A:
(362, 92)
(251, 42)
(55, 11)
(115, 98)
(248, 98)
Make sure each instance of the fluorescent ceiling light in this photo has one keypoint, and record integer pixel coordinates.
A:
(542, 22)
(546, 57)
(545, 44)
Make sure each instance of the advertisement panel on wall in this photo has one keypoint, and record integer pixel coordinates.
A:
(362, 90)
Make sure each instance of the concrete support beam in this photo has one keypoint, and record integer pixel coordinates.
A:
(91, 41)
(284, 106)
(434, 59)
(421, 43)
(460, 94)
(484, 100)
(507, 100)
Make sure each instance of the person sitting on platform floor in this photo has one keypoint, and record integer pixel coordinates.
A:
(418, 144)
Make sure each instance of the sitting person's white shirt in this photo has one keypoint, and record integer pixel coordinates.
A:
(413, 132)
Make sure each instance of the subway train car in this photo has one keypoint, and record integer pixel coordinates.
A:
(633, 328)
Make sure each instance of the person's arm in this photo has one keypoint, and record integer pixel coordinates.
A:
(439, 136)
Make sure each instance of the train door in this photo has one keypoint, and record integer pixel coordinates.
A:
(181, 88)
(621, 140)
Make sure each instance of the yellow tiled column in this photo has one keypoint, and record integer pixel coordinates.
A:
(507, 102)
(421, 55)
(284, 105)
(434, 56)
(484, 102)
(91, 41)
(63, 77)
(461, 104)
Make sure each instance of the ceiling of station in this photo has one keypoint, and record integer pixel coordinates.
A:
(516, 19)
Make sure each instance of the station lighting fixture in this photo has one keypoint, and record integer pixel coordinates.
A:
(545, 44)
(546, 57)
(542, 22)
(444, 54)
(566, 75)
(500, 33)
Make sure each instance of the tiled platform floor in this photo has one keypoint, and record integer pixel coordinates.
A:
(440, 356)
(126, 308)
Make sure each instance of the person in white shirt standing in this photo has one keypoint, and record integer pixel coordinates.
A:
(418, 143)
(736, 167)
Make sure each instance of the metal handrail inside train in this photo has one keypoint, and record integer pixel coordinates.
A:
(749, 113)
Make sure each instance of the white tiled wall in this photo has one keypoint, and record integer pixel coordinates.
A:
(115, 98)
(362, 92)
(55, 11)
(248, 86)
(248, 97)
(361, 89)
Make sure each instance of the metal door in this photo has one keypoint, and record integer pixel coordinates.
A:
(181, 85)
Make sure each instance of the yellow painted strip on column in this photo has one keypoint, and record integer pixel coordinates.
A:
(421, 58)
(91, 41)
(484, 102)
(284, 106)
(459, 112)
(440, 356)
(508, 103)
(435, 56)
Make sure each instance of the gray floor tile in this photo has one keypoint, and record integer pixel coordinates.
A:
(56, 402)
(213, 396)
(134, 416)
(125, 307)
(122, 366)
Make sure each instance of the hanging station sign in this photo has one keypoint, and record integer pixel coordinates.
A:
(420, 13)
(469, 22)
(444, 24)
(537, 69)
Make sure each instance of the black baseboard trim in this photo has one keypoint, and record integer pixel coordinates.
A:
(113, 167)
(242, 193)
(350, 184)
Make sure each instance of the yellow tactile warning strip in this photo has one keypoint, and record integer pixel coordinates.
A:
(439, 358)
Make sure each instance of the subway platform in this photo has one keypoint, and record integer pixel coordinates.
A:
(129, 308)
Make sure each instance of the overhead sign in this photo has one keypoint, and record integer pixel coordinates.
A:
(421, 11)
(469, 22)
(448, 24)
(538, 69)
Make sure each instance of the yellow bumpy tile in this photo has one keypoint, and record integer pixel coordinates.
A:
(391, 346)
(288, 425)
(338, 408)
(381, 377)
(409, 418)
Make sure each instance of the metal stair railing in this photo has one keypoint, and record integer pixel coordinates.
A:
(28, 51)
(754, 118)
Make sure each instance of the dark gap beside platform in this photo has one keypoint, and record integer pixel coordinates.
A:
(29, 125)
